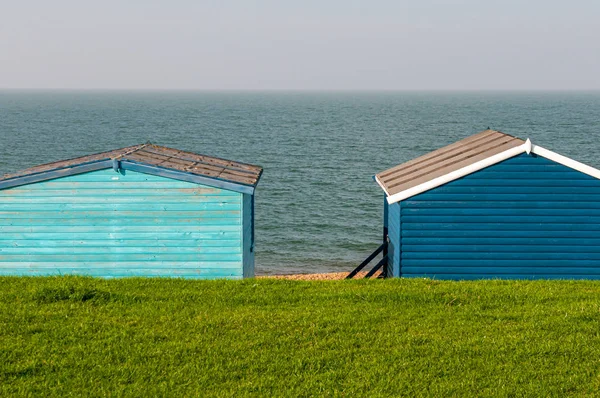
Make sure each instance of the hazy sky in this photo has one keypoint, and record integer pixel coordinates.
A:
(300, 44)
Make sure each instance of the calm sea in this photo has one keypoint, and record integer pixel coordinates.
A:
(317, 206)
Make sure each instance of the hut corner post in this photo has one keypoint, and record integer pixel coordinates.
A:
(385, 270)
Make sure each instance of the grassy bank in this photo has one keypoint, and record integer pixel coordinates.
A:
(287, 338)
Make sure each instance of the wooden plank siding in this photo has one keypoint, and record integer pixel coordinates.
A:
(118, 224)
(248, 235)
(394, 243)
(524, 218)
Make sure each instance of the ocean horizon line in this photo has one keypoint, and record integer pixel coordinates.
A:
(293, 90)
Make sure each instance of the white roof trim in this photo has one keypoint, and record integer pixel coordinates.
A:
(527, 147)
(381, 185)
(565, 161)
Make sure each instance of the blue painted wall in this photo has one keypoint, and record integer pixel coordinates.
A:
(110, 224)
(524, 218)
(394, 244)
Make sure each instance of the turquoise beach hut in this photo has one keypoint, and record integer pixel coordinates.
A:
(144, 210)
(492, 206)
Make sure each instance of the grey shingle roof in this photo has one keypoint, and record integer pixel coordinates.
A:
(446, 160)
(160, 156)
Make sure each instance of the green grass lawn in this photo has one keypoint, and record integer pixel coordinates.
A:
(162, 337)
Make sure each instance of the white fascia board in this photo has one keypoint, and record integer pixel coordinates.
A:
(381, 185)
(436, 182)
(565, 161)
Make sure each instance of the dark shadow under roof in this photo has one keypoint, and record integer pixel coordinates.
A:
(162, 157)
(446, 160)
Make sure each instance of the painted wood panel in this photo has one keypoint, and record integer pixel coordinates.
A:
(110, 224)
(394, 238)
(248, 235)
(524, 218)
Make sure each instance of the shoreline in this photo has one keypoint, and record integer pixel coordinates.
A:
(327, 276)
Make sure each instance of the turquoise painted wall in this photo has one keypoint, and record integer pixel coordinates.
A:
(524, 218)
(111, 224)
(248, 235)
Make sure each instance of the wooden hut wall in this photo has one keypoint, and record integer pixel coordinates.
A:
(394, 244)
(526, 217)
(114, 224)
(248, 234)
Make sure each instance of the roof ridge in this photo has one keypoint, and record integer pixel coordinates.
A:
(132, 150)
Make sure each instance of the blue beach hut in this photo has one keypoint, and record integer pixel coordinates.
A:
(492, 206)
(144, 210)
